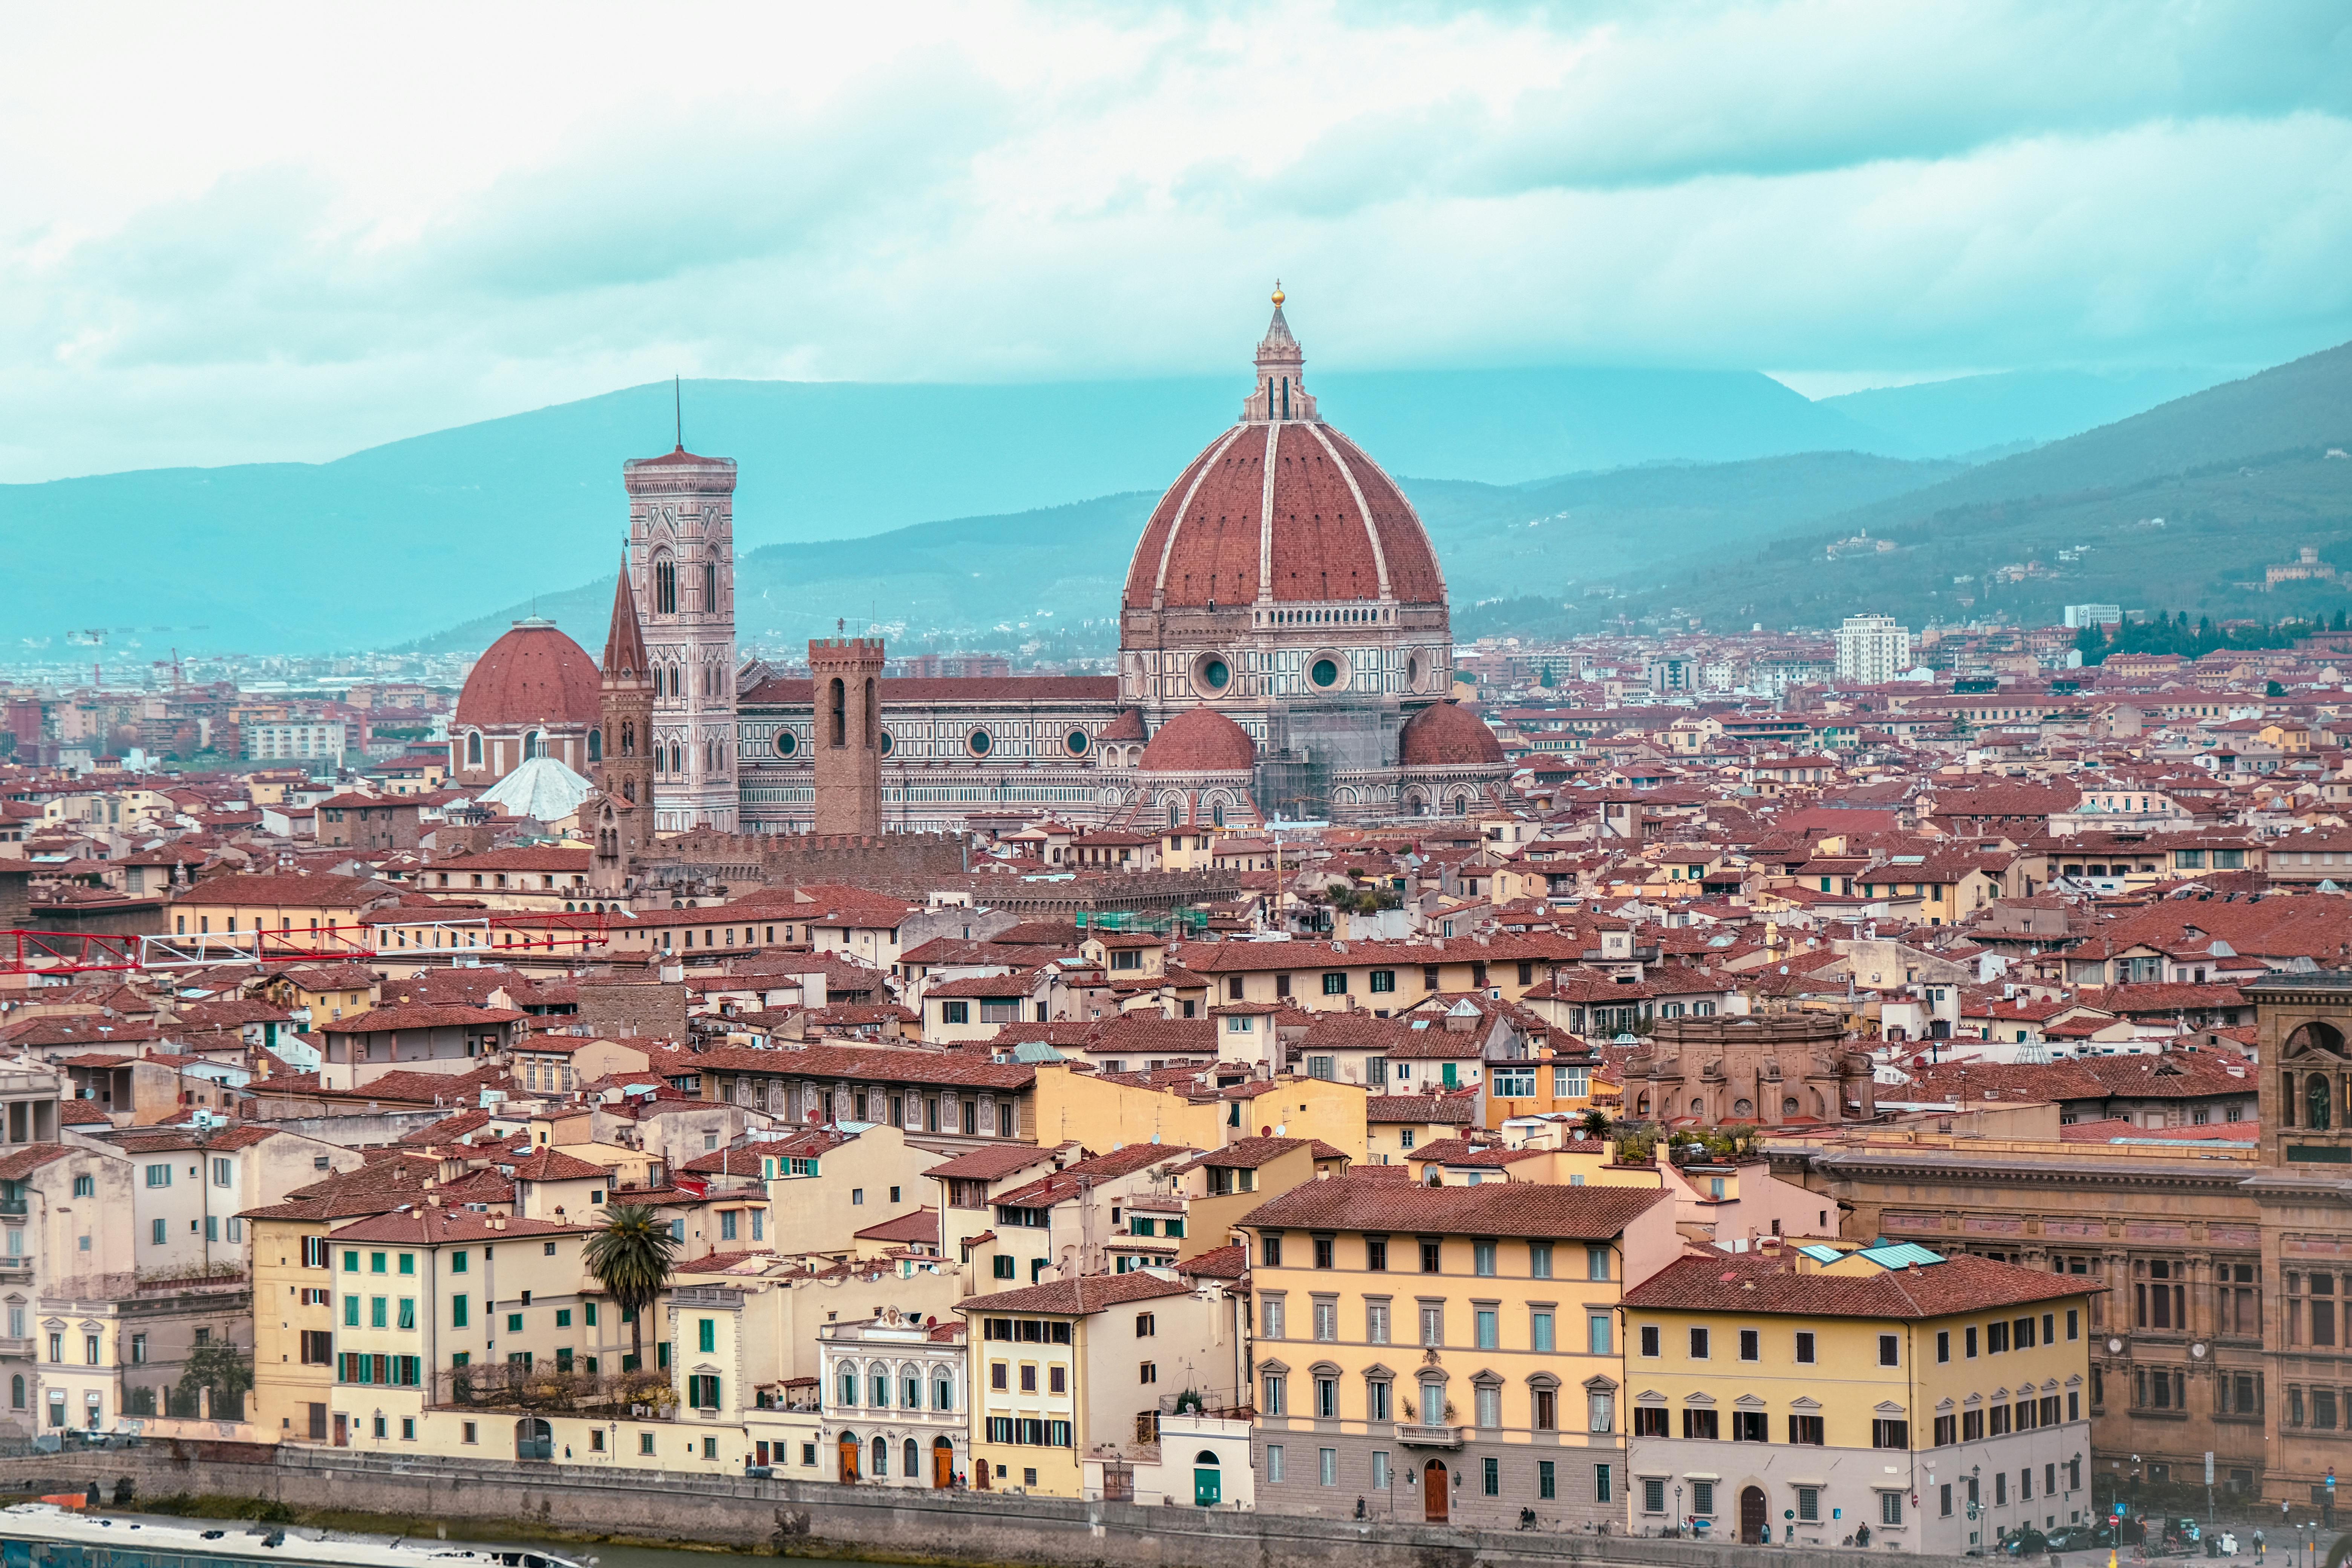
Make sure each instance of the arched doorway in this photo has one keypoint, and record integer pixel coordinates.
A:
(1436, 1502)
(849, 1453)
(1752, 1527)
(942, 1462)
(1208, 1480)
(534, 1439)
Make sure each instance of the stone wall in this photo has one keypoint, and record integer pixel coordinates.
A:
(619, 1009)
(811, 1518)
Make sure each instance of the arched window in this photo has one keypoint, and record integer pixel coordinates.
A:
(914, 1460)
(710, 585)
(473, 748)
(1175, 814)
(628, 738)
(664, 586)
(629, 791)
(530, 744)
(595, 745)
(881, 1457)
(17, 1392)
(837, 710)
(1217, 813)
(848, 1385)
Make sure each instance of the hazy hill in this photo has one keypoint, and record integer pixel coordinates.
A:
(1056, 574)
(1975, 413)
(384, 545)
(2173, 507)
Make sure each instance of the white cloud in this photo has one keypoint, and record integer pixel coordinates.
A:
(273, 233)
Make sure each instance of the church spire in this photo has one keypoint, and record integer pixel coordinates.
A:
(624, 645)
(1281, 390)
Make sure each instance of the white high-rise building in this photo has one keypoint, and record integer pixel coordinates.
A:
(1873, 648)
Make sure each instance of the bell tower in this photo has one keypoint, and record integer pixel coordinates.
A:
(620, 815)
(682, 568)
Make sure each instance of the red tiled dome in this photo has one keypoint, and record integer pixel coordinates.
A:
(1446, 736)
(533, 675)
(1332, 525)
(1200, 740)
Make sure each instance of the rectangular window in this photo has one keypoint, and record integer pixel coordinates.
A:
(458, 1313)
(1649, 1421)
(1809, 1505)
(1539, 1260)
(1270, 1318)
(1490, 1477)
(1598, 1334)
(1890, 1508)
(1539, 1337)
(1596, 1263)
(1805, 1346)
(1698, 1343)
(1270, 1251)
(1653, 1494)
(1805, 1431)
(1490, 1337)
(1699, 1424)
(407, 1312)
(706, 1336)
(1889, 1350)
(1433, 1324)
(1603, 1489)
(1750, 1346)
(1274, 1462)
(1327, 1320)
(1376, 1323)
(1649, 1336)
(1488, 1402)
(159, 1175)
(1546, 1481)
(1889, 1433)
(1750, 1427)
(1943, 1344)
(1327, 1467)
(1703, 1498)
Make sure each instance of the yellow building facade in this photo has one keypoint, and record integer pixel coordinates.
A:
(1888, 1397)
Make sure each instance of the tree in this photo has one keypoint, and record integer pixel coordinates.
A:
(630, 1256)
(220, 1366)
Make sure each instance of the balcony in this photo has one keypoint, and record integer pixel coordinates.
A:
(13, 1209)
(1414, 1436)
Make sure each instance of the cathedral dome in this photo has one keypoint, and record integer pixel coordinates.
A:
(533, 675)
(1281, 509)
(1447, 736)
(1200, 740)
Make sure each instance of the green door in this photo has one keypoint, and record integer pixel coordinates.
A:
(1207, 1487)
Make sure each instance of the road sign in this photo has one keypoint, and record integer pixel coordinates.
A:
(2209, 1466)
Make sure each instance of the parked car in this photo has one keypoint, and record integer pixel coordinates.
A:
(2026, 1542)
(2073, 1538)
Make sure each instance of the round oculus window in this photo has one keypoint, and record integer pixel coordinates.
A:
(1324, 672)
(1076, 741)
(787, 744)
(1215, 674)
(980, 742)
(888, 744)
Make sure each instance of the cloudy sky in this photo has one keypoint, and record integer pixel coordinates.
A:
(232, 233)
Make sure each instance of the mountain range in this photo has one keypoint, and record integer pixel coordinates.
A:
(441, 539)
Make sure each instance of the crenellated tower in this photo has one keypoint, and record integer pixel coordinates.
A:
(848, 676)
(682, 568)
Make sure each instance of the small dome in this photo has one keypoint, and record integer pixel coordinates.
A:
(533, 675)
(1447, 736)
(1200, 740)
(542, 789)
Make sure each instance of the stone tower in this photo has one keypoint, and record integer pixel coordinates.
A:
(682, 567)
(847, 672)
(621, 765)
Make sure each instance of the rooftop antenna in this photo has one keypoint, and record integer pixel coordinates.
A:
(677, 407)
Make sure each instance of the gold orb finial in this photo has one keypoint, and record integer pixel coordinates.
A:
(1277, 293)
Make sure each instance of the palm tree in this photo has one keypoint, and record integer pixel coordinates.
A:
(630, 1256)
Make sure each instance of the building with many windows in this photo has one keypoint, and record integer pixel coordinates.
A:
(1447, 1354)
(1872, 649)
(896, 1411)
(1809, 1394)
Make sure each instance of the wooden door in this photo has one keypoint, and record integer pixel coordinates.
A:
(849, 1456)
(942, 1463)
(1435, 1500)
(1751, 1515)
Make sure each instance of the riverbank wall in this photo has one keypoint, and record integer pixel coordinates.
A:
(811, 1518)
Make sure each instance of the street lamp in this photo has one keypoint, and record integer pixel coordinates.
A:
(1678, 1507)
